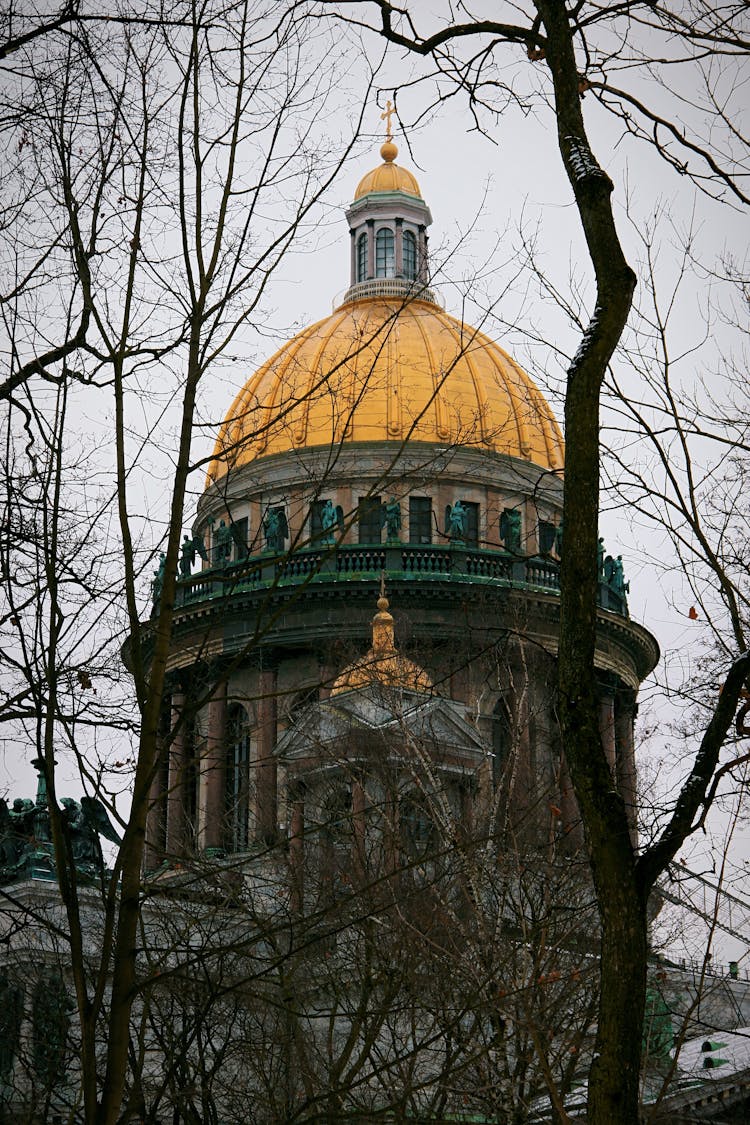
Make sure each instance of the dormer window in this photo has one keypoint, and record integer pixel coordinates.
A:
(362, 258)
(410, 256)
(385, 253)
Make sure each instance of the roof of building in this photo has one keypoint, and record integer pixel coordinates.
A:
(382, 664)
(385, 369)
(388, 365)
(388, 176)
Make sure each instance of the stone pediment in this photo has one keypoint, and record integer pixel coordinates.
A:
(427, 719)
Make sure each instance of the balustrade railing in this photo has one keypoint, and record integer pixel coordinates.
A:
(425, 560)
(443, 561)
(360, 560)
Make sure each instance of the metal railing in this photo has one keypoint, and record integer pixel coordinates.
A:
(439, 562)
(389, 287)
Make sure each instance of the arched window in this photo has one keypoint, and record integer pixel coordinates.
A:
(410, 256)
(297, 703)
(385, 255)
(362, 258)
(237, 779)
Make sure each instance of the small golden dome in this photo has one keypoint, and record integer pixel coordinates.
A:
(382, 369)
(382, 664)
(388, 176)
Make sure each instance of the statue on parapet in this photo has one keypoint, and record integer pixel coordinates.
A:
(275, 530)
(455, 520)
(331, 519)
(222, 544)
(614, 576)
(157, 582)
(510, 529)
(192, 548)
(25, 836)
(391, 516)
(618, 583)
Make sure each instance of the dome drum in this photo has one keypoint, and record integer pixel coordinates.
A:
(451, 613)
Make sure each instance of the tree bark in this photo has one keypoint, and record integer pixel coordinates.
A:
(613, 1080)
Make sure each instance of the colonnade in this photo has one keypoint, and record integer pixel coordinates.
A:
(188, 803)
(187, 798)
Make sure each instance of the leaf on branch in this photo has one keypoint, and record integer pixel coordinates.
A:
(84, 679)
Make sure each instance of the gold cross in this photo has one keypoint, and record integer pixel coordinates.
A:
(389, 111)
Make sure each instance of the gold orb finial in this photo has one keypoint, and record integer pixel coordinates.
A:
(382, 600)
(388, 151)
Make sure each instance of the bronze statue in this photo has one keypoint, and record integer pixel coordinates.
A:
(25, 834)
(187, 556)
(330, 519)
(200, 546)
(391, 514)
(157, 582)
(275, 530)
(455, 518)
(510, 529)
(617, 580)
(222, 544)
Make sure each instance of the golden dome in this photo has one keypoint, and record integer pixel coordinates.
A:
(382, 664)
(382, 369)
(388, 176)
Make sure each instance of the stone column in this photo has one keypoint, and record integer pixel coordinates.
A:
(399, 263)
(297, 848)
(607, 730)
(266, 767)
(176, 841)
(359, 828)
(625, 711)
(353, 244)
(212, 774)
(155, 819)
(422, 270)
(370, 249)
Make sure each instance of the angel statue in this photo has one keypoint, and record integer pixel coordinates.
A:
(455, 521)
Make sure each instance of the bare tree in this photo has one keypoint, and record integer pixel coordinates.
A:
(153, 224)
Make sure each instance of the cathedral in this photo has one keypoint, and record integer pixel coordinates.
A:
(379, 542)
(365, 893)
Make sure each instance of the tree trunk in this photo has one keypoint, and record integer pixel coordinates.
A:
(613, 1081)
